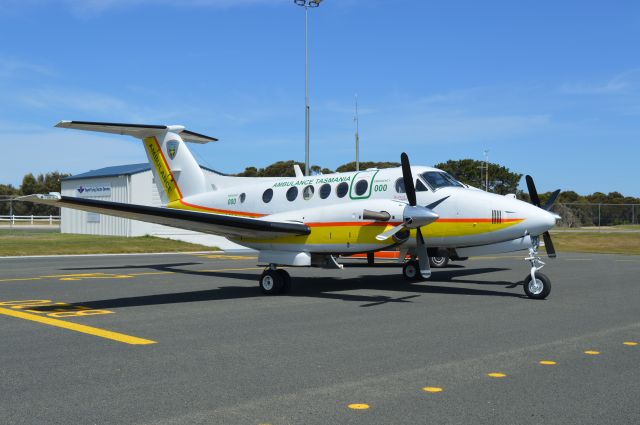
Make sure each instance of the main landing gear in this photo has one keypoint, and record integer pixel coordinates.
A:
(536, 284)
(274, 281)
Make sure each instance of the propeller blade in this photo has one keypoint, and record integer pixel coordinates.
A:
(548, 245)
(533, 193)
(409, 185)
(552, 200)
(423, 256)
(386, 235)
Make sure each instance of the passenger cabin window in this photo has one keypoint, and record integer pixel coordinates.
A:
(342, 189)
(292, 194)
(325, 191)
(307, 193)
(243, 197)
(361, 187)
(438, 179)
(267, 195)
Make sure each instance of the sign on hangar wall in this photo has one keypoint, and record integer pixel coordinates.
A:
(93, 190)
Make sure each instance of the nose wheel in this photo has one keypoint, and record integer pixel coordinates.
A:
(536, 285)
(539, 288)
(274, 281)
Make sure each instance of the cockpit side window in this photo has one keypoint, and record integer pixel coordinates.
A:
(438, 179)
(420, 187)
(400, 185)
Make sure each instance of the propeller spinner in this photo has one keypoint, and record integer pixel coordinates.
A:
(535, 200)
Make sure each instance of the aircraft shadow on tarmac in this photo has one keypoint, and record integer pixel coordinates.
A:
(314, 287)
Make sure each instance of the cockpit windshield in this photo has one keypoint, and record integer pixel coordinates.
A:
(438, 179)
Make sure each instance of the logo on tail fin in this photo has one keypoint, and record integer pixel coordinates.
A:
(172, 148)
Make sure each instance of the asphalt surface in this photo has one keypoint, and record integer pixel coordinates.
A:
(214, 350)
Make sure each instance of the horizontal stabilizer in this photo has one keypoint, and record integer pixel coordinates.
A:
(136, 130)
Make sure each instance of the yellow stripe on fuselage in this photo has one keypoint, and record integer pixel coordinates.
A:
(365, 233)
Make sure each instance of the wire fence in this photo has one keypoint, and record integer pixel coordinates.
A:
(578, 214)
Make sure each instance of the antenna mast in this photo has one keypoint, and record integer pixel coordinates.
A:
(355, 119)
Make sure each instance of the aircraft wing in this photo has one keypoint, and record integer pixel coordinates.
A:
(215, 224)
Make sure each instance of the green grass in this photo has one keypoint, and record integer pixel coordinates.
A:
(39, 242)
(628, 226)
(597, 242)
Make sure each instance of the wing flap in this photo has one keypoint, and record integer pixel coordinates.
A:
(215, 224)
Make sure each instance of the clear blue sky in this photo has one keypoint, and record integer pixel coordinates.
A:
(550, 88)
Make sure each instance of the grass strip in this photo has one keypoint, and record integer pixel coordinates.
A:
(596, 242)
(24, 242)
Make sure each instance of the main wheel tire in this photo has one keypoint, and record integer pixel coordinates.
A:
(286, 281)
(538, 289)
(271, 282)
(438, 262)
(411, 270)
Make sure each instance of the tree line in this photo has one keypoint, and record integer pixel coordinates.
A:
(501, 181)
(42, 183)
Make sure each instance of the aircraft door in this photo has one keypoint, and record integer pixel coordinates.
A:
(362, 185)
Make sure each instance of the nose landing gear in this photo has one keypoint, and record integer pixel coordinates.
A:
(536, 284)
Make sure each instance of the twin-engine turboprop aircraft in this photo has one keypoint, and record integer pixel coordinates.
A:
(310, 220)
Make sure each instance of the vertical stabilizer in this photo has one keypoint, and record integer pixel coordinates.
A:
(176, 171)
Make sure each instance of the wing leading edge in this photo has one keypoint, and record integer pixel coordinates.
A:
(215, 224)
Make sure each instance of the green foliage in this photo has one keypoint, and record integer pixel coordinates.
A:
(280, 169)
(501, 179)
(6, 192)
(351, 166)
(43, 183)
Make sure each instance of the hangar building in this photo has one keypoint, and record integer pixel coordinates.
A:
(132, 184)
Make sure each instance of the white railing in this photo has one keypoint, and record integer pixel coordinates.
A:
(31, 219)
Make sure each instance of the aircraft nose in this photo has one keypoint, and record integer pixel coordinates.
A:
(539, 221)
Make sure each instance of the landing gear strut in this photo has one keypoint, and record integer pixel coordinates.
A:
(536, 285)
(274, 281)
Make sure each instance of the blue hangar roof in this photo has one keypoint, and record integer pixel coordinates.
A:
(117, 170)
(120, 170)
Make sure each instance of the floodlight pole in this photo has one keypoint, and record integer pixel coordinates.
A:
(306, 4)
(306, 90)
(357, 137)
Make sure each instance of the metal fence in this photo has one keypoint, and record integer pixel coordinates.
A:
(579, 214)
(30, 219)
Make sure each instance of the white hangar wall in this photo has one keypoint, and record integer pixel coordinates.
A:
(137, 188)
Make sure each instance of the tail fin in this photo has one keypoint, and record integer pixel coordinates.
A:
(175, 170)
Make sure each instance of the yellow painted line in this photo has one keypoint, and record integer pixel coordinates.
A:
(358, 406)
(496, 375)
(630, 343)
(127, 339)
(18, 279)
(592, 353)
(232, 270)
(547, 362)
(432, 389)
(228, 257)
(150, 273)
